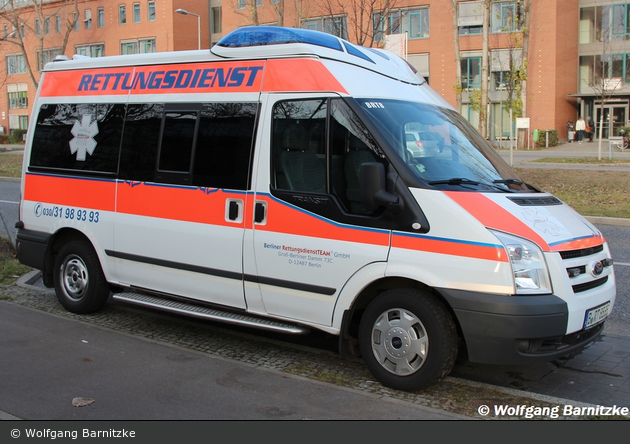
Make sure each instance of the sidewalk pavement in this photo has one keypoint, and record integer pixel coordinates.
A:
(55, 368)
(526, 158)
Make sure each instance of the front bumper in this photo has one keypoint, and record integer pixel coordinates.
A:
(515, 330)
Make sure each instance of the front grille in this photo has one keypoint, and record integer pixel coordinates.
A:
(535, 201)
(578, 288)
(572, 254)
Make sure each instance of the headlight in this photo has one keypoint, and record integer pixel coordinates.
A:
(528, 264)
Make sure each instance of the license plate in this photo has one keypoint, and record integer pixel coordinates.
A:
(596, 315)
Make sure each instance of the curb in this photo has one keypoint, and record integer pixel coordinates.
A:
(601, 220)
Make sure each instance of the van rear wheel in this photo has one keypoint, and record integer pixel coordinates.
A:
(408, 339)
(80, 284)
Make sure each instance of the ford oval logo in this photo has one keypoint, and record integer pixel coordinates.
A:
(597, 268)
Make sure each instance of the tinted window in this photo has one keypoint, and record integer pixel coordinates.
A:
(224, 145)
(140, 142)
(319, 146)
(218, 137)
(78, 137)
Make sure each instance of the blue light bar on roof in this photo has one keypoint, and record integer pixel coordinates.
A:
(273, 35)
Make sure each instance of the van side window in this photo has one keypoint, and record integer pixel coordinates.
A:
(204, 145)
(299, 144)
(225, 143)
(177, 143)
(319, 146)
(140, 142)
(78, 138)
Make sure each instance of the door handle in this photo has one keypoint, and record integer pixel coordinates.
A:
(233, 212)
(260, 212)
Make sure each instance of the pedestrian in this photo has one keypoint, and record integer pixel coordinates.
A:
(590, 128)
(570, 130)
(580, 127)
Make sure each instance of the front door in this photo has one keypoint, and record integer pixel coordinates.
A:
(311, 232)
(614, 117)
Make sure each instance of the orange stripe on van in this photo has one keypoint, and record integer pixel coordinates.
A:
(578, 244)
(284, 218)
(450, 246)
(183, 78)
(299, 75)
(494, 216)
(200, 205)
(70, 191)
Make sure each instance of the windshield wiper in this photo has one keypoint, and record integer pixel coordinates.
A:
(454, 181)
(509, 181)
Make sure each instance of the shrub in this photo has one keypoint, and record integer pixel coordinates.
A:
(553, 138)
(17, 136)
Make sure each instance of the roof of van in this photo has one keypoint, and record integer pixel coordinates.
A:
(264, 42)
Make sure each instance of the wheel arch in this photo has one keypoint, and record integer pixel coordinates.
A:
(351, 318)
(56, 243)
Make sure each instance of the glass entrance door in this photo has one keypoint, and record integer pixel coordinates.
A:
(614, 118)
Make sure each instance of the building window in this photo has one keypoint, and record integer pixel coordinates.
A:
(91, 50)
(15, 64)
(140, 46)
(151, 11)
(100, 17)
(48, 56)
(470, 17)
(242, 4)
(122, 14)
(505, 17)
(47, 26)
(471, 72)
(37, 27)
(88, 19)
(57, 24)
(414, 22)
(77, 24)
(136, 12)
(216, 20)
(18, 100)
(620, 19)
(337, 25)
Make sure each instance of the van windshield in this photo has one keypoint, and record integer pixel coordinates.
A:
(441, 148)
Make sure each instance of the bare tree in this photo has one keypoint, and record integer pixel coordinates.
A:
(366, 19)
(249, 10)
(458, 58)
(18, 13)
(286, 12)
(483, 111)
(604, 78)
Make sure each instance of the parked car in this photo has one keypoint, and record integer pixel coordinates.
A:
(424, 143)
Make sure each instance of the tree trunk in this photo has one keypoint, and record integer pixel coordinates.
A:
(483, 108)
(458, 62)
(527, 9)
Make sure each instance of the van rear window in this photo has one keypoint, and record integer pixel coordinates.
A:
(78, 137)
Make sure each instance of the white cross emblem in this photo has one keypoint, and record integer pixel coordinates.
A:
(83, 133)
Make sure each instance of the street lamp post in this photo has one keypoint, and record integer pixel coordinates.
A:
(183, 11)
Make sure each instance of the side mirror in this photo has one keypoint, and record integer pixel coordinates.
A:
(373, 193)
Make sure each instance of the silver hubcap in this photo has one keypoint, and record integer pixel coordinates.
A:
(74, 277)
(399, 341)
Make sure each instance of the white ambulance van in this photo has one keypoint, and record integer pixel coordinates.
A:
(273, 182)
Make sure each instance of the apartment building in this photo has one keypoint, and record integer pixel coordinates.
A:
(96, 28)
(604, 63)
(578, 61)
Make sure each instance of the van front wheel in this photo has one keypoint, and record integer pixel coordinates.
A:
(79, 280)
(408, 339)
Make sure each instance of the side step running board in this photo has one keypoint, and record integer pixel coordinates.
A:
(199, 311)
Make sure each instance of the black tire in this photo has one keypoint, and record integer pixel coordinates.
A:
(79, 280)
(408, 339)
